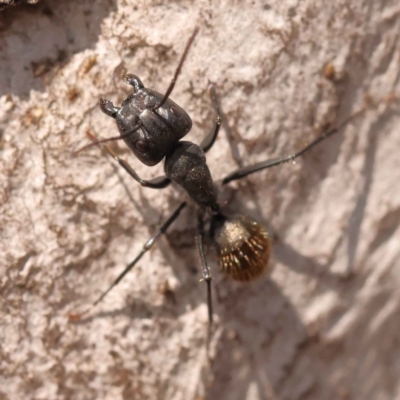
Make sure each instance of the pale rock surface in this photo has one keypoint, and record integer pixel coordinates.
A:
(323, 325)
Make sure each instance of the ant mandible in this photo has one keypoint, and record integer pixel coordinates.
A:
(152, 126)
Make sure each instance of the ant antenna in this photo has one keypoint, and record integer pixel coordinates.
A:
(178, 70)
(111, 139)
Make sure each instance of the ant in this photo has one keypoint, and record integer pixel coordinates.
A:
(152, 126)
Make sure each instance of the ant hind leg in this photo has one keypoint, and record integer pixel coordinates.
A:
(206, 273)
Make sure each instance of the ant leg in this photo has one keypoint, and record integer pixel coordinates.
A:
(209, 140)
(250, 169)
(206, 272)
(178, 69)
(149, 244)
(157, 183)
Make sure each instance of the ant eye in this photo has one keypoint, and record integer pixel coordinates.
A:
(141, 146)
(174, 110)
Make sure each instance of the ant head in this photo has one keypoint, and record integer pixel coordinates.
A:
(155, 130)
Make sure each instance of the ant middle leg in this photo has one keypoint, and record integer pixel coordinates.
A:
(157, 183)
(148, 245)
(250, 169)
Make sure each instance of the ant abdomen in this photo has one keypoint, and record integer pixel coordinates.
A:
(242, 245)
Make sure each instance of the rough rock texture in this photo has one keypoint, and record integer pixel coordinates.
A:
(323, 325)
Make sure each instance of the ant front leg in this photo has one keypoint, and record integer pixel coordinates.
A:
(157, 183)
(206, 273)
(209, 140)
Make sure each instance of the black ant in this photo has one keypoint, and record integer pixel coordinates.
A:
(152, 126)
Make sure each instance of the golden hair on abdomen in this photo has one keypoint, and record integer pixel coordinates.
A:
(242, 245)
